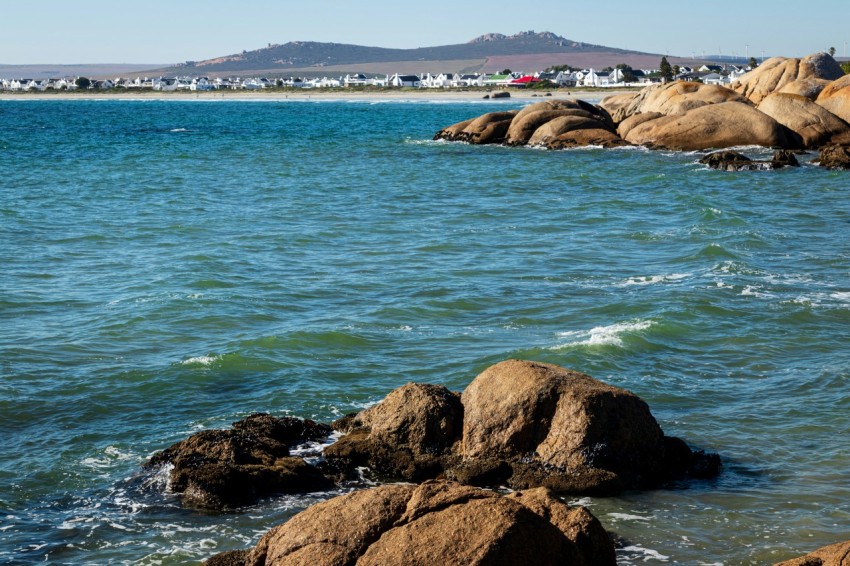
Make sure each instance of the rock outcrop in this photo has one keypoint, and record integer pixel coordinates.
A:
(835, 97)
(734, 161)
(434, 523)
(784, 103)
(834, 157)
(489, 128)
(778, 72)
(833, 555)
(678, 98)
(531, 118)
(813, 124)
(725, 124)
(221, 469)
(406, 436)
(524, 424)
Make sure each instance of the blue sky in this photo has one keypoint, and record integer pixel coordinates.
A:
(171, 31)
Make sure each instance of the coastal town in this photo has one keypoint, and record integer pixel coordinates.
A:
(610, 77)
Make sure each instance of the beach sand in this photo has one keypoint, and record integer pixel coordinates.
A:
(400, 95)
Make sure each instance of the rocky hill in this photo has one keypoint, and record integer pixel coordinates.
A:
(309, 57)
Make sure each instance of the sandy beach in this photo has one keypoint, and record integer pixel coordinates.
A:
(400, 95)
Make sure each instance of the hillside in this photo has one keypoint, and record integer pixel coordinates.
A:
(483, 53)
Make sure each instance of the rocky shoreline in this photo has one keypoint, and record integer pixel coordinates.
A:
(536, 428)
(787, 104)
(471, 477)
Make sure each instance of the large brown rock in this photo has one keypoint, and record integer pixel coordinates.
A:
(810, 87)
(635, 120)
(435, 523)
(835, 97)
(677, 98)
(221, 469)
(722, 125)
(488, 128)
(814, 124)
(778, 72)
(406, 436)
(616, 105)
(574, 131)
(834, 157)
(524, 424)
(534, 116)
(564, 420)
(833, 555)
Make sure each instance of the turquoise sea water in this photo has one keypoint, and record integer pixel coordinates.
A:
(172, 266)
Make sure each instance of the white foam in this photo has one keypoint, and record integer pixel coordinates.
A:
(653, 279)
(602, 335)
(753, 291)
(648, 553)
(200, 360)
(628, 517)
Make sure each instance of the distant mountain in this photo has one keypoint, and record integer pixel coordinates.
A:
(481, 54)
(103, 70)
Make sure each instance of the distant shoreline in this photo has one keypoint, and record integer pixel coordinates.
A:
(323, 94)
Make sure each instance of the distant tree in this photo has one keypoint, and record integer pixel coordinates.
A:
(608, 69)
(628, 73)
(278, 83)
(665, 69)
(832, 51)
(676, 70)
(505, 72)
(83, 82)
(753, 63)
(846, 68)
(559, 68)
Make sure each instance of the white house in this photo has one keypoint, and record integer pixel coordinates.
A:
(404, 81)
(441, 80)
(202, 84)
(165, 85)
(354, 80)
(324, 82)
(566, 78)
(715, 79)
(596, 79)
(475, 79)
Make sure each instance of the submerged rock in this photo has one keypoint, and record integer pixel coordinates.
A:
(834, 157)
(833, 555)
(734, 161)
(434, 523)
(221, 469)
(523, 424)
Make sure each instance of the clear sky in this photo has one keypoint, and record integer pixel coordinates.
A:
(173, 31)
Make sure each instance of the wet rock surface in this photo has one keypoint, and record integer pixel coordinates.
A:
(524, 424)
(834, 157)
(221, 469)
(832, 555)
(734, 161)
(437, 522)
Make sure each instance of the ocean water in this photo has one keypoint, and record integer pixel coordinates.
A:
(167, 267)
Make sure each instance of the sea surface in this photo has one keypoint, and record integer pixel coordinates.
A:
(173, 266)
